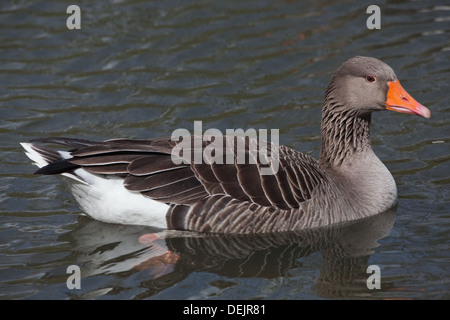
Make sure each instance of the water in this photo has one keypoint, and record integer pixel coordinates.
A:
(141, 69)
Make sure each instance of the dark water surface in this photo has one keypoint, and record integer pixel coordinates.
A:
(140, 69)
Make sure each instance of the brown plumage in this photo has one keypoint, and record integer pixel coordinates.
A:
(348, 181)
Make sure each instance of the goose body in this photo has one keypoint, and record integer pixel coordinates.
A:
(141, 182)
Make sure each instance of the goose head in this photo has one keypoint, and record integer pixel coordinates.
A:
(363, 85)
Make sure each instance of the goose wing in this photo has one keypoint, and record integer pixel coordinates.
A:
(171, 171)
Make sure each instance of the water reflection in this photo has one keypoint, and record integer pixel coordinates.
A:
(168, 257)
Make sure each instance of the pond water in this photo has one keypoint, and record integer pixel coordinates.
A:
(140, 69)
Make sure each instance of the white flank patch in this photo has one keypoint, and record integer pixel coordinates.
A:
(104, 198)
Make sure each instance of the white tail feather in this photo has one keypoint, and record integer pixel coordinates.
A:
(105, 198)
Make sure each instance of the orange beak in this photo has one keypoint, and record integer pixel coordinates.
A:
(400, 101)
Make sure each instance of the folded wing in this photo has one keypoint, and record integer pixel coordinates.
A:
(162, 170)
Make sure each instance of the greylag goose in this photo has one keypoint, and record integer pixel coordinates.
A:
(144, 182)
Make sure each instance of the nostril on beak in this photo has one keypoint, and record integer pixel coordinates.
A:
(404, 98)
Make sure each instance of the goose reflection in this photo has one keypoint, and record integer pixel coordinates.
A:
(168, 257)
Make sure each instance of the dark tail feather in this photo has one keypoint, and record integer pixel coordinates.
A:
(56, 167)
(56, 163)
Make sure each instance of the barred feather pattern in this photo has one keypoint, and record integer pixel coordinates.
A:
(344, 131)
(205, 197)
(217, 192)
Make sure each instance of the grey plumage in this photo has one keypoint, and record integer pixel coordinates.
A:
(348, 181)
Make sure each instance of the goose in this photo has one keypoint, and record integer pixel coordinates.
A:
(143, 182)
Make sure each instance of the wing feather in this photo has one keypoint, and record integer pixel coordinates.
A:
(148, 168)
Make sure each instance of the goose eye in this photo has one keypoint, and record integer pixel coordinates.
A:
(370, 78)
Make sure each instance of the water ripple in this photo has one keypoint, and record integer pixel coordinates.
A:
(144, 68)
